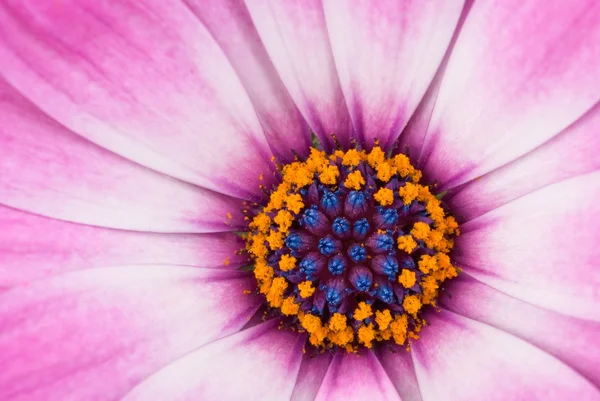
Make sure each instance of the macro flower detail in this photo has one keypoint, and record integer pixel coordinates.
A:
(349, 247)
(299, 200)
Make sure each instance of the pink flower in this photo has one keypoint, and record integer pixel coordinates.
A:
(131, 129)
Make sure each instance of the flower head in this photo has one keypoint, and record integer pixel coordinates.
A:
(171, 230)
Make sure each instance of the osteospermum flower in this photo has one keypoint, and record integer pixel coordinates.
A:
(299, 200)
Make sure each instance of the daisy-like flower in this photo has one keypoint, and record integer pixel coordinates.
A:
(299, 200)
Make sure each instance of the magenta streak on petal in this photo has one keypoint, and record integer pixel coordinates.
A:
(541, 248)
(573, 152)
(310, 376)
(260, 363)
(460, 359)
(33, 247)
(573, 341)
(153, 87)
(413, 136)
(399, 367)
(230, 24)
(296, 39)
(386, 53)
(499, 100)
(47, 169)
(356, 377)
(93, 335)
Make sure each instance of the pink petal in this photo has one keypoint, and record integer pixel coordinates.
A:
(153, 86)
(459, 359)
(296, 37)
(356, 378)
(33, 247)
(541, 248)
(386, 53)
(311, 374)
(229, 23)
(573, 152)
(399, 367)
(520, 73)
(93, 335)
(46, 169)
(260, 363)
(573, 341)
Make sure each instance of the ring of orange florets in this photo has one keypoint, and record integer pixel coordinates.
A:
(394, 181)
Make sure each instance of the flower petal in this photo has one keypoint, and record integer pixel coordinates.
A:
(34, 247)
(295, 36)
(260, 363)
(520, 73)
(229, 23)
(573, 341)
(399, 367)
(386, 53)
(573, 152)
(353, 377)
(153, 87)
(96, 334)
(46, 169)
(541, 248)
(462, 360)
(311, 374)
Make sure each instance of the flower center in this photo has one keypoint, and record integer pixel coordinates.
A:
(350, 247)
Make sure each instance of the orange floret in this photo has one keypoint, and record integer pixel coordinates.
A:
(363, 311)
(409, 193)
(376, 157)
(289, 307)
(341, 338)
(294, 203)
(399, 327)
(275, 240)
(403, 165)
(337, 322)
(284, 220)
(352, 158)
(406, 243)
(385, 171)
(366, 335)
(278, 197)
(407, 278)
(275, 295)
(420, 230)
(384, 196)
(383, 319)
(329, 175)
(287, 263)
(428, 264)
(411, 304)
(261, 223)
(355, 180)
(306, 289)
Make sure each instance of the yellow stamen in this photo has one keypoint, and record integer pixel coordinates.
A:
(287, 263)
(409, 193)
(329, 175)
(366, 335)
(289, 307)
(383, 319)
(407, 278)
(411, 304)
(384, 196)
(354, 180)
(406, 243)
(284, 220)
(420, 230)
(363, 311)
(352, 158)
(306, 289)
